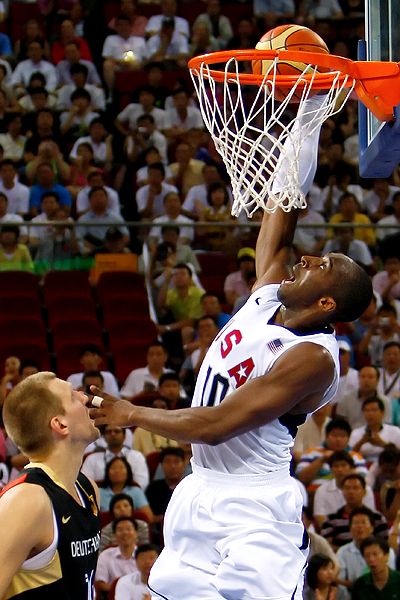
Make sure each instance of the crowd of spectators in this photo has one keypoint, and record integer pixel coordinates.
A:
(78, 149)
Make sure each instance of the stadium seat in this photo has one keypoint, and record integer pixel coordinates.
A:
(126, 306)
(213, 284)
(63, 309)
(74, 330)
(19, 306)
(131, 328)
(128, 356)
(216, 263)
(21, 329)
(27, 350)
(18, 283)
(118, 283)
(59, 284)
(153, 460)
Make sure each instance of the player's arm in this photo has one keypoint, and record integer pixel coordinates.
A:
(295, 384)
(277, 229)
(26, 526)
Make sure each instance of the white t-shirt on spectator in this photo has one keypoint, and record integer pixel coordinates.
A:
(82, 200)
(116, 47)
(18, 197)
(98, 101)
(155, 22)
(158, 204)
(94, 465)
(178, 46)
(329, 498)
(25, 69)
(132, 111)
(99, 150)
(143, 173)
(371, 199)
(138, 380)
(180, 221)
(110, 383)
(390, 434)
(193, 119)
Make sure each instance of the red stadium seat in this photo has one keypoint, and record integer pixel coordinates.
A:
(26, 350)
(68, 359)
(60, 284)
(18, 283)
(19, 306)
(216, 263)
(118, 283)
(63, 309)
(124, 330)
(82, 331)
(128, 356)
(21, 329)
(153, 460)
(126, 306)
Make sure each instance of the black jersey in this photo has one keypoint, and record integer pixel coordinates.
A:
(70, 574)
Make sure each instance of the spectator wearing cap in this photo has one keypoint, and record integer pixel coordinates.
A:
(91, 235)
(235, 284)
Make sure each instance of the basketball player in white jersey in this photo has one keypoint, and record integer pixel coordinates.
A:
(233, 528)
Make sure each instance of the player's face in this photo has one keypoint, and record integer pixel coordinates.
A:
(313, 277)
(81, 426)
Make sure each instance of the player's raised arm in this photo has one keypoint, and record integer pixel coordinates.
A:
(277, 229)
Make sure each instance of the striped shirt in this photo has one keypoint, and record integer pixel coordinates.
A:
(336, 528)
(325, 473)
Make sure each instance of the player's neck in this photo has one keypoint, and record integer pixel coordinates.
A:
(64, 465)
(298, 321)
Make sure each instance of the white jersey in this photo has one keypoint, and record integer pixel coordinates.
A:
(246, 348)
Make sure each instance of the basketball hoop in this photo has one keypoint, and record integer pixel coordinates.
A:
(249, 128)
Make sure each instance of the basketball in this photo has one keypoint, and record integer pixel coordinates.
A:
(288, 37)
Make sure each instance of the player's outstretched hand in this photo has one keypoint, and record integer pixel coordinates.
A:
(108, 410)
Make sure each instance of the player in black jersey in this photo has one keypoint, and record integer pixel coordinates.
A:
(50, 529)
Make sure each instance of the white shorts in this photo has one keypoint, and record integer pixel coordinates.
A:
(232, 537)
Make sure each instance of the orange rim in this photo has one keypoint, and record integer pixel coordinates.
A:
(377, 84)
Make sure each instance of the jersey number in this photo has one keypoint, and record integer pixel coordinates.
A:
(218, 391)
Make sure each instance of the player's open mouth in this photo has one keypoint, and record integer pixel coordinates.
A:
(289, 279)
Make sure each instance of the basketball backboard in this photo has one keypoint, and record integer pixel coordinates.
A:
(380, 142)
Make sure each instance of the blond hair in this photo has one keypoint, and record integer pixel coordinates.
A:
(28, 410)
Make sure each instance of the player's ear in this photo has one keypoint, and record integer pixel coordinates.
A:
(327, 304)
(59, 425)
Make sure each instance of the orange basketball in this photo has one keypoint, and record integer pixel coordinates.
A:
(288, 37)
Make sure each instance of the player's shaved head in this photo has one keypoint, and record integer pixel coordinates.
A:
(353, 290)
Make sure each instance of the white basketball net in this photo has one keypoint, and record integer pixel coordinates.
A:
(250, 134)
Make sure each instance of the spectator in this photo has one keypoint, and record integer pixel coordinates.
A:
(381, 580)
(378, 199)
(313, 467)
(159, 491)
(114, 243)
(169, 388)
(312, 10)
(150, 156)
(13, 142)
(148, 442)
(211, 307)
(12, 218)
(36, 99)
(312, 433)
(202, 41)
(172, 207)
(79, 75)
(389, 379)
(329, 496)
(150, 197)
(186, 170)
(73, 57)
(272, 10)
(76, 121)
(14, 256)
(387, 281)
(34, 63)
(143, 138)
(206, 330)
(100, 141)
(235, 284)
(50, 205)
(82, 167)
(351, 561)
(349, 213)
(128, 588)
(17, 194)
(309, 240)
(121, 505)
(371, 438)
(181, 117)
(336, 529)
(127, 120)
(43, 128)
(138, 22)
(91, 360)
(45, 184)
(67, 35)
(218, 24)
(119, 480)
(318, 544)
(383, 328)
(123, 51)
(387, 469)
(146, 378)
(393, 219)
(169, 9)
(119, 560)
(348, 376)
(168, 254)
(351, 403)
(96, 180)
(168, 45)
(344, 242)
(11, 376)
(49, 153)
(94, 465)
(321, 579)
(196, 199)
(32, 32)
(90, 235)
